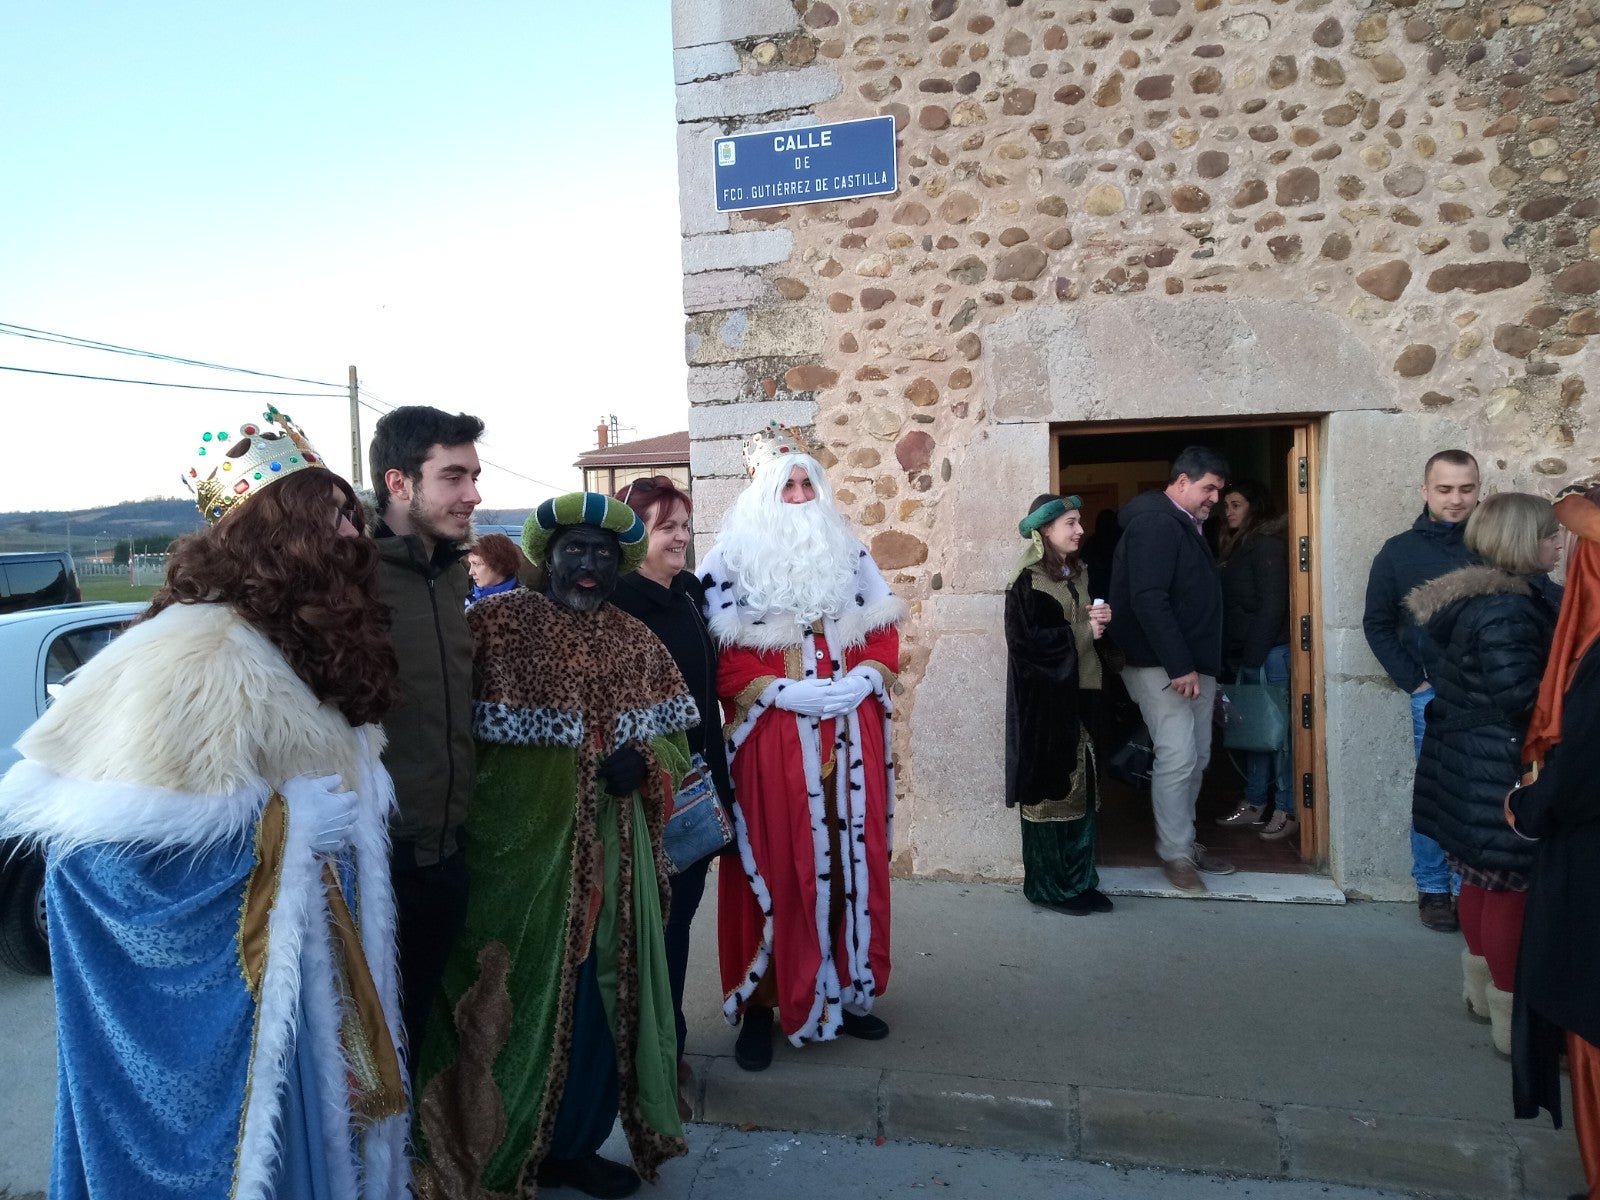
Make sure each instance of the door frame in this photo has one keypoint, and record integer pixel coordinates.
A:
(1307, 674)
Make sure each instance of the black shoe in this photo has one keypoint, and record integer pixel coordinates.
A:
(753, 1048)
(1098, 900)
(868, 1028)
(594, 1176)
(1077, 906)
(1437, 913)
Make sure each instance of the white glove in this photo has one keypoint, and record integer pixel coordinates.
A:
(808, 697)
(328, 811)
(847, 692)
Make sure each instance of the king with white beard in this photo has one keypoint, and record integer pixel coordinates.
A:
(809, 650)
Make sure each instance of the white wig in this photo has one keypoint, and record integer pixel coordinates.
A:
(797, 559)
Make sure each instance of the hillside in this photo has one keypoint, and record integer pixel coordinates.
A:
(92, 528)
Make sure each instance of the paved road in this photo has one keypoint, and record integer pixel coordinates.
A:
(728, 1164)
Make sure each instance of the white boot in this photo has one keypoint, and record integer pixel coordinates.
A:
(1475, 984)
(1499, 1019)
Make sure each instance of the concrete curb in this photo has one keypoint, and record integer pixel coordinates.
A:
(1471, 1159)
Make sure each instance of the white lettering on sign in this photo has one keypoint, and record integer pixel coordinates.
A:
(806, 139)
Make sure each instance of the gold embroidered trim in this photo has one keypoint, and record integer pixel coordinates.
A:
(742, 702)
(261, 892)
(890, 678)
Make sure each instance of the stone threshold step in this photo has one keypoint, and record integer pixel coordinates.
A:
(1273, 887)
(1469, 1159)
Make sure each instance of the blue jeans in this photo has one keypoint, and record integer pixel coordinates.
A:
(1428, 866)
(1260, 767)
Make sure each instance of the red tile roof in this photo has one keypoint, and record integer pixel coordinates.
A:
(667, 450)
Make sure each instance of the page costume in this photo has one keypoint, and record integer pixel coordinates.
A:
(814, 806)
(563, 954)
(226, 999)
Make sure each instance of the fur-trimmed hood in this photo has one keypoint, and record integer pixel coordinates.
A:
(1428, 600)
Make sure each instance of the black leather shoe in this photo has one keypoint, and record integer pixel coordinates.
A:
(1098, 900)
(753, 1048)
(1437, 913)
(868, 1028)
(594, 1176)
(1075, 906)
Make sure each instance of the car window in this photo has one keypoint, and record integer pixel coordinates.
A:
(27, 578)
(71, 650)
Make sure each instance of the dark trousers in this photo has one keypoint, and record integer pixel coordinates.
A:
(687, 888)
(588, 1107)
(431, 910)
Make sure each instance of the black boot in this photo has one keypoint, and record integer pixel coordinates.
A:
(753, 1048)
(868, 1028)
(594, 1176)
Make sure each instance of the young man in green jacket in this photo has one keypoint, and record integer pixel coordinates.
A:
(425, 470)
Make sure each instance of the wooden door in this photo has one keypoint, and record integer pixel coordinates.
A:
(1306, 716)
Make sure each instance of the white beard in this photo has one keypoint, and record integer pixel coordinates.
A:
(797, 560)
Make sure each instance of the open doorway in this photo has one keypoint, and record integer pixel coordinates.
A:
(1106, 465)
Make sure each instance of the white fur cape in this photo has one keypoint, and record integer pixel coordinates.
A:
(733, 623)
(174, 737)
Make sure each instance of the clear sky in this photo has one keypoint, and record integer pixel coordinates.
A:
(475, 203)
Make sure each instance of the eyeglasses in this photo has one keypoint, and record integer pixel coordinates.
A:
(348, 512)
(653, 484)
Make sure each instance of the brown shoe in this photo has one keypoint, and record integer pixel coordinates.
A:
(1210, 863)
(1437, 913)
(1181, 874)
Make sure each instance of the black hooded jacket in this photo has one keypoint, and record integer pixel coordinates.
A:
(1255, 594)
(1487, 640)
(1166, 600)
(1408, 560)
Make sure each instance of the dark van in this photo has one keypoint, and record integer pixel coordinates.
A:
(37, 578)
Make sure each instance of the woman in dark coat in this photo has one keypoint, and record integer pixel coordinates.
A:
(1253, 558)
(668, 598)
(1488, 628)
(1052, 676)
(1558, 971)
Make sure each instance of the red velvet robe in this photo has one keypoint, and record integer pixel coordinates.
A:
(770, 787)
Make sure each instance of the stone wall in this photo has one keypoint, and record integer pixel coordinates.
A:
(1396, 199)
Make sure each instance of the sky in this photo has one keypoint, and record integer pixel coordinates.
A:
(474, 204)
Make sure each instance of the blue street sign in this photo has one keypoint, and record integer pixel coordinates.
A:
(805, 166)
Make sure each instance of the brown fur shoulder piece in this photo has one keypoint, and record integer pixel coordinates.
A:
(1428, 600)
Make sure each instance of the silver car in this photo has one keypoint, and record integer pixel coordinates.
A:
(39, 649)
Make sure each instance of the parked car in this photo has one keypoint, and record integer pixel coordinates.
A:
(36, 579)
(39, 649)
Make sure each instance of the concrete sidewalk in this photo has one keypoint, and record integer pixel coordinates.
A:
(1304, 1041)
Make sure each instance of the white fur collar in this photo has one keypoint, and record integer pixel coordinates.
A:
(733, 624)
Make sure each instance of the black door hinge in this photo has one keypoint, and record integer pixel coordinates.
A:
(1308, 792)
(1305, 554)
(1305, 632)
(1305, 710)
(1304, 473)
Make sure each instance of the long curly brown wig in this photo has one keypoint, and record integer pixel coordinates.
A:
(281, 565)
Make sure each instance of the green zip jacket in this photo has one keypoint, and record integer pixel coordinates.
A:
(429, 754)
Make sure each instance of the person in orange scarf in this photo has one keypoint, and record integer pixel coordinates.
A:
(1558, 970)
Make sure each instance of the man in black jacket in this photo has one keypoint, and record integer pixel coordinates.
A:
(425, 471)
(1166, 604)
(1429, 549)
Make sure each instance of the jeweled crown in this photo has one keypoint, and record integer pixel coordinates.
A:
(230, 468)
(770, 443)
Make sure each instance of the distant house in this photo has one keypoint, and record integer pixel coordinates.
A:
(611, 467)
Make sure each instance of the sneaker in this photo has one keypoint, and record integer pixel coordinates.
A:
(1437, 913)
(752, 1050)
(868, 1027)
(1245, 814)
(594, 1176)
(1181, 874)
(1281, 827)
(1210, 863)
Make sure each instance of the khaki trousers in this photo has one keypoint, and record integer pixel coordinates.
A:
(1180, 734)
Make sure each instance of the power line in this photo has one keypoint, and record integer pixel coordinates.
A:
(193, 387)
(80, 343)
(518, 474)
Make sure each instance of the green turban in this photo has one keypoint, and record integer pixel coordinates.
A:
(586, 508)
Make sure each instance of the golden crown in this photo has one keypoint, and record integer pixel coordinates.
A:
(771, 443)
(231, 469)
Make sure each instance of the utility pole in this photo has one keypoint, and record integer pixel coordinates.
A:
(355, 431)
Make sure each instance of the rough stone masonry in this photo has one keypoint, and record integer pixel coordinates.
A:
(1416, 179)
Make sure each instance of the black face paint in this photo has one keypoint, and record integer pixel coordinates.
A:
(584, 564)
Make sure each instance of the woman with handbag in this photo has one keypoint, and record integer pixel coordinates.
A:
(1253, 558)
(1053, 678)
(1488, 628)
(668, 597)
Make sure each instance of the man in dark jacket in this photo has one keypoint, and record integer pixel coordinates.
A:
(425, 471)
(1429, 549)
(1166, 604)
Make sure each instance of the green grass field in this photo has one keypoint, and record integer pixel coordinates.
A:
(110, 587)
